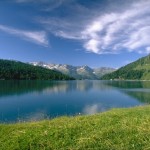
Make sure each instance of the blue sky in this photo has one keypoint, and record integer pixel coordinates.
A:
(96, 33)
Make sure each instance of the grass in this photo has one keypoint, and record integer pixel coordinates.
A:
(118, 129)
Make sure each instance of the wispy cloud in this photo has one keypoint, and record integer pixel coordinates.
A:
(38, 37)
(49, 4)
(26, 1)
(105, 32)
(118, 31)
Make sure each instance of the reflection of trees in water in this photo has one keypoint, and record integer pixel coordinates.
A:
(20, 87)
(49, 105)
(129, 84)
(141, 95)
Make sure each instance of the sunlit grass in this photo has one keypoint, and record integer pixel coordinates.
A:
(118, 129)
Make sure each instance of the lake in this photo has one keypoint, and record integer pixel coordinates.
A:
(37, 100)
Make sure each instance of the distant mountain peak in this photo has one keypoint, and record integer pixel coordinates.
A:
(78, 72)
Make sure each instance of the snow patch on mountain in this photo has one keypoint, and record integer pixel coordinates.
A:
(78, 72)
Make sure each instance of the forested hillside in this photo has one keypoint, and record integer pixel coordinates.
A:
(138, 70)
(22, 71)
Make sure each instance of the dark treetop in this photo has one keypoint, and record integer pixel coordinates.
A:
(138, 70)
(21, 71)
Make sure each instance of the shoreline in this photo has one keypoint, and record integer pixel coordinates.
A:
(121, 128)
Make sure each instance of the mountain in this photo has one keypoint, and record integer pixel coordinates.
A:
(21, 71)
(138, 70)
(78, 72)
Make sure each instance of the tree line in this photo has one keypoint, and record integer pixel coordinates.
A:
(21, 71)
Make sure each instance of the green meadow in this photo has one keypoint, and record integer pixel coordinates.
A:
(117, 129)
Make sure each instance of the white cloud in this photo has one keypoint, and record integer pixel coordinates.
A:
(117, 31)
(148, 50)
(38, 37)
(108, 32)
(92, 44)
(138, 38)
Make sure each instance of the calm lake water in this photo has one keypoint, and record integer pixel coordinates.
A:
(36, 100)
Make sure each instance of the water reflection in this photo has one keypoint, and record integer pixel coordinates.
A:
(142, 96)
(19, 87)
(139, 90)
(36, 100)
(22, 87)
(129, 84)
(34, 116)
(92, 109)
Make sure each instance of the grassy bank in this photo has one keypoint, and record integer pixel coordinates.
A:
(118, 129)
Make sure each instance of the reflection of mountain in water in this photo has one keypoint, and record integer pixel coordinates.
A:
(36, 100)
(22, 87)
(137, 89)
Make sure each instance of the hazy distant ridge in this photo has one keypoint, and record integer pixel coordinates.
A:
(78, 72)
